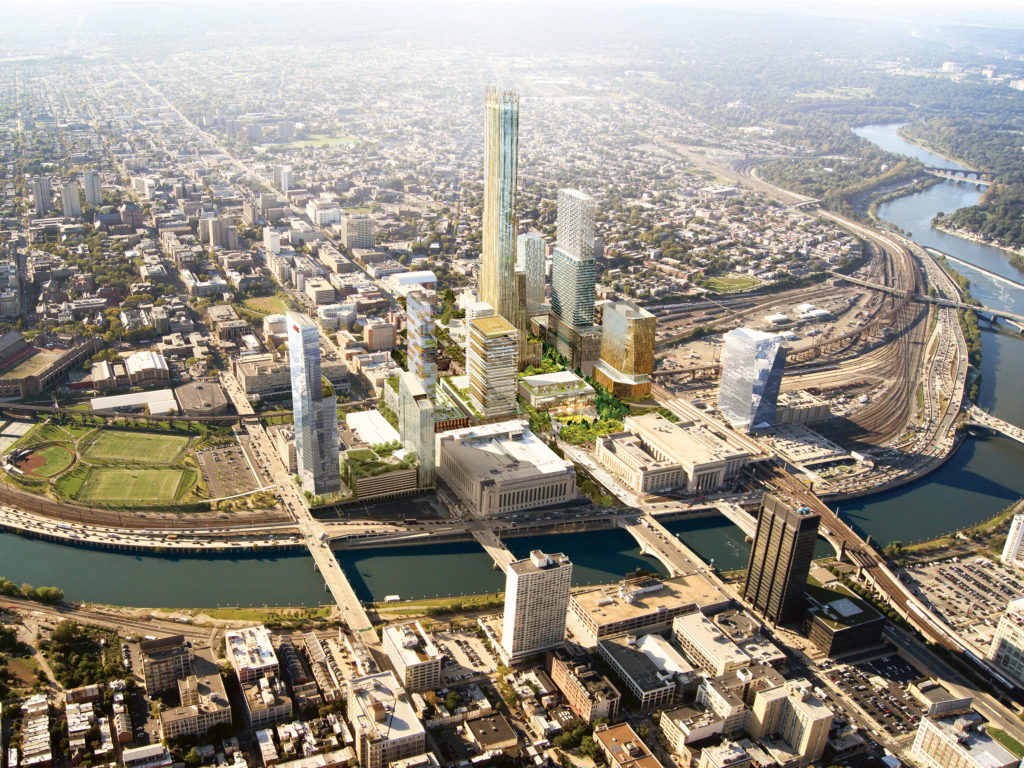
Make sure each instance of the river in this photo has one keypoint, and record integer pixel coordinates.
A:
(982, 478)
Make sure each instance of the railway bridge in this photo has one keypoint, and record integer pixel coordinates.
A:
(956, 174)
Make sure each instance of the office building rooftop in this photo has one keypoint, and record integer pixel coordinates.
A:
(382, 710)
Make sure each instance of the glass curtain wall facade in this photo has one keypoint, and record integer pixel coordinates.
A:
(531, 254)
(572, 262)
(416, 425)
(491, 365)
(780, 559)
(419, 310)
(500, 228)
(752, 366)
(316, 416)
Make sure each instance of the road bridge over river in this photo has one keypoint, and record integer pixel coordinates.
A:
(938, 301)
(979, 418)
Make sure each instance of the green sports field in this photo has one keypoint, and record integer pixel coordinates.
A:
(48, 461)
(726, 284)
(141, 447)
(128, 485)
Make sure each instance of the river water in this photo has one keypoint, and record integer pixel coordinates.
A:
(982, 478)
(985, 474)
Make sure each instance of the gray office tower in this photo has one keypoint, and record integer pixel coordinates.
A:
(780, 559)
(316, 416)
(752, 365)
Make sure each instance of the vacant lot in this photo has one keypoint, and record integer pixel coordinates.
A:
(48, 461)
(136, 447)
(134, 485)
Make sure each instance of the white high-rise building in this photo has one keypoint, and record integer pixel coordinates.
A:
(536, 601)
(491, 358)
(752, 366)
(284, 177)
(41, 195)
(93, 188)
(576, 213)
(1013, 550)
(69, 200)
(531, 258)
(1007, 651)
(358, 231)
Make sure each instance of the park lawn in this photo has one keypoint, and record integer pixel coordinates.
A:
(57, 458)
(136, 447)
(726, 284)
(132, 485)
(266, 305)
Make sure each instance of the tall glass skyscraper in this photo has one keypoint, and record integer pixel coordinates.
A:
(752, 365)
(316, 416)
(576, 213)
(531, 255)
(780, 559)
(501, 162)
(572, 262)
(416, 425)
(419, 311)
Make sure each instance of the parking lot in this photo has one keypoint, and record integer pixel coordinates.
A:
(226, 471)
(880, 688)
(969, 595)
(466, 656)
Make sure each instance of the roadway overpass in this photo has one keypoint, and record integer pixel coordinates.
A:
(938, 301)
(979, 418)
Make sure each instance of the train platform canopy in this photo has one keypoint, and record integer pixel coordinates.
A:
(157, 402)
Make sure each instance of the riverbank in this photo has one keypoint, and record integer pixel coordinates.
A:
(1016, 255)
(929, 148)
(983, 539)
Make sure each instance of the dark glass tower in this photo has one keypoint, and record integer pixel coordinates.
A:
(780, 559)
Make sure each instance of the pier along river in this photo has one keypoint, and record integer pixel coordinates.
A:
(980, 480)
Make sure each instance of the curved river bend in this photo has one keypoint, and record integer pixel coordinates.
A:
(982, 478)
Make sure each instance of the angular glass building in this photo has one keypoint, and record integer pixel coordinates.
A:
(316, 416)
(627, 349)
(500, 228)
(416, 425)
(752, 365)
(572, 287)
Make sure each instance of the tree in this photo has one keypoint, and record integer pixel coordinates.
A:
(192, 759)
